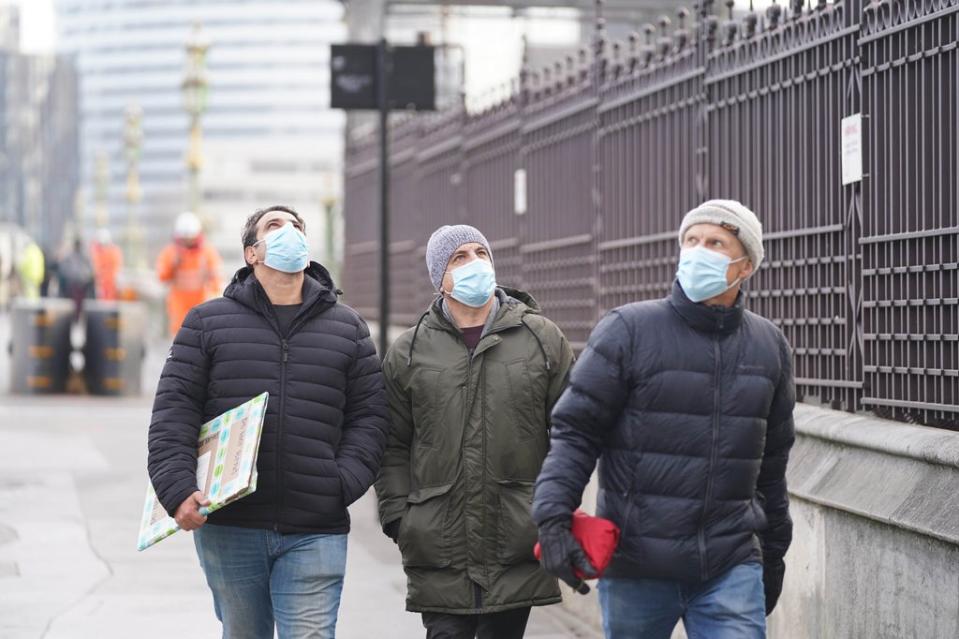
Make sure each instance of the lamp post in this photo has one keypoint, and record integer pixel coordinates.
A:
(101, 182)
(329, 202)
(195, 88)
(132, 145)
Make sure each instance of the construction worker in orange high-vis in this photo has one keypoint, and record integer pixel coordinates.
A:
(191, 267)
(107, 261)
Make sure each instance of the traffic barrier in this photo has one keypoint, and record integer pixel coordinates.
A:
(40, 345)
(114, 348)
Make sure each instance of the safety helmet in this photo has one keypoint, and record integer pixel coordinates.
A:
(187, 226)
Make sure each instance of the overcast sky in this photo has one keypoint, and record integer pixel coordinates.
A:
(37, 25)
(38, 35)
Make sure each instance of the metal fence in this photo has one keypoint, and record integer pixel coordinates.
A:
(618, 141)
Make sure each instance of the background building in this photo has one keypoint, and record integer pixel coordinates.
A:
(38, 137)
(268, 135)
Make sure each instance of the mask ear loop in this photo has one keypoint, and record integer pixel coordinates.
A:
(442, 293)
(253, 246)
(738, 280)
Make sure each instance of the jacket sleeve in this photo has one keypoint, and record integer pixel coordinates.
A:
(771, 484)
(178, 415)
(165, 263)
(592, 403)
(393, 483)
(365, 420)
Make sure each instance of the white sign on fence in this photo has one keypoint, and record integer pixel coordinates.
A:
(851, 127)
(519, 191)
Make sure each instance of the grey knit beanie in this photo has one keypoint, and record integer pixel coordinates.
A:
(444, 242)
(732, 213)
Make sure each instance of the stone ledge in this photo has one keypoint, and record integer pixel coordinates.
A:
(897, 474)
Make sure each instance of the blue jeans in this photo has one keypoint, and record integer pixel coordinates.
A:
(260, 577)
(730, 606)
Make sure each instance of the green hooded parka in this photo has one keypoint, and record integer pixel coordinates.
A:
(469, 436)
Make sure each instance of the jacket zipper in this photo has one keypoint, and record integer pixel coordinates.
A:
(485, 479)
(285, 348)
(477, 591)
(703, 557)
(466, 412)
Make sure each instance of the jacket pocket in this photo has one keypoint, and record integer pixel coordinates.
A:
(527, 397)
(516, 534)
(427, 404)
(424, 535)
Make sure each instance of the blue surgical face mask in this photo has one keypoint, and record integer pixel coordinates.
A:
(286, 249)
(702, 273)
(473, 283)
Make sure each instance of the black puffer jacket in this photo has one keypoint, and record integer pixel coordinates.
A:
(327, 419)
(690, 409)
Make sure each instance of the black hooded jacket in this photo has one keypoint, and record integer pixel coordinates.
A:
(689, 408)
(327, 418)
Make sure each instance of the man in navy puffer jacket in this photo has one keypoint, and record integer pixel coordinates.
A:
(277, 556)
(687, 402)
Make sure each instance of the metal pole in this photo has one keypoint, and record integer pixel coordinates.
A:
(382, 71)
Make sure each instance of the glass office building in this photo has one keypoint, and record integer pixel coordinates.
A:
(268, 134)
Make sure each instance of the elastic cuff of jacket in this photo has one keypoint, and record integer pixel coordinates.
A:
(179, 500)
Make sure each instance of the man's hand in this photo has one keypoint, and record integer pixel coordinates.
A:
(562, 556)
(773, 574)
(188, 515)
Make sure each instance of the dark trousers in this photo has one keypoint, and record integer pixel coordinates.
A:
(509, 624)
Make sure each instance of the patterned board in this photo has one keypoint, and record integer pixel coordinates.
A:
(226, 467)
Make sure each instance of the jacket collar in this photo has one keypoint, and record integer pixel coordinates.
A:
(708, 319)
(512, 306)
(319, 292)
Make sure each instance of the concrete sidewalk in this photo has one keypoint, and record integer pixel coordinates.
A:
(72, 482)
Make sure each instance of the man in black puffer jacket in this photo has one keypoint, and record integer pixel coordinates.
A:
(687, 402)
(277, 556)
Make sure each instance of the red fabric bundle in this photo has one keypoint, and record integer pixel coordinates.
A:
(598, 537)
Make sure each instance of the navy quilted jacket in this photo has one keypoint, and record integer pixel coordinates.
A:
(327, 419)
(689, 409)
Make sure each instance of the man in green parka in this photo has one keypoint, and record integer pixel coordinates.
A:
(470, 392)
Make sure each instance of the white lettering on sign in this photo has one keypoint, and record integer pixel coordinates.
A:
(851, 128)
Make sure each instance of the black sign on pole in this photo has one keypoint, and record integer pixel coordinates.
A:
(384, 78)
(410, 77)
(413, 78)
(354, 76)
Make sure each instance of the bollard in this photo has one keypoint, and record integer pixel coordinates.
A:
(114, 349)
(40, 345)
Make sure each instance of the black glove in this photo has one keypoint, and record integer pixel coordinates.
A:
(392, 529)
(561, 554)
(773, 573)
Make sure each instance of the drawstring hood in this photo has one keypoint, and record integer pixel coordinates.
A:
(511, 308)
(409, 357)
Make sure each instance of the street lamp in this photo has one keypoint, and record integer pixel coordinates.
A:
(195, 89)
(132, 145)
(101, 183)
(329, 202)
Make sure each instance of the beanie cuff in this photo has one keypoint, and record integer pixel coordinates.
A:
(720, 215)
